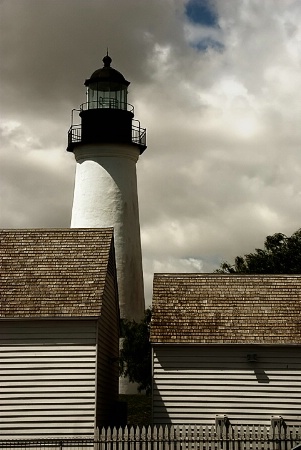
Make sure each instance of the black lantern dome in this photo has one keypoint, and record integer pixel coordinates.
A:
(107, 88)
(107, 74)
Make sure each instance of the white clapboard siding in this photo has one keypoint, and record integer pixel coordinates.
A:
(47, 378)
(193, 384)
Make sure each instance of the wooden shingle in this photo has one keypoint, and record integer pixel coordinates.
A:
(229, 309)
(53, 272)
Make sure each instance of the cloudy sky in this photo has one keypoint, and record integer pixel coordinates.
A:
(217, 84)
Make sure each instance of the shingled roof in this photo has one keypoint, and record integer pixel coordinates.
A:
(227, 309)
(53, 272)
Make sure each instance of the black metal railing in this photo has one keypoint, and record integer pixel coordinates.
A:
(53, 444)
(74, 134)
(107, 103)
(138, 134)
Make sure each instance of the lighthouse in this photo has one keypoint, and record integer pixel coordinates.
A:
(106, 145)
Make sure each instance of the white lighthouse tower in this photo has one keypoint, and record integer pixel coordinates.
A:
(106, 146)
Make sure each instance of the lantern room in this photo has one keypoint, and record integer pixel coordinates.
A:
(107, 88)
(106, 117)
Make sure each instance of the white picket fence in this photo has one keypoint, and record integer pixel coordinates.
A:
(172, 438)
(199, 438)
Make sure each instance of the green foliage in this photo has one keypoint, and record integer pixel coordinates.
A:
(139, 409)
(281, 254)
(135, 355)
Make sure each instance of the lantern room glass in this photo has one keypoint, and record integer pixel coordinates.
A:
(106, 95)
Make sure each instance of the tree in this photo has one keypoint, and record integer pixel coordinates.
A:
(135, 355)
(281, 254)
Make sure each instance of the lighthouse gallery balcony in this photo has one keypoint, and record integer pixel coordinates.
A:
(106, 121)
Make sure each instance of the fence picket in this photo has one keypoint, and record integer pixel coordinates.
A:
(212, 438)
(276, 438)
(114, 439)
(264, 437)
(104, 438)
(188, 435)
(282, 437)
(234, 436)
(143, 438)
(137, 439)
(131, 442)
(160, 438)
(177, 435)
(254, 438)
(247, 438)
(241, 442)
(259, 431)
(165, 438)
(170, 431)
(155, 438)
(195, 434)
(223, 436)
(126, 438)
(203, 434)
(120, 438)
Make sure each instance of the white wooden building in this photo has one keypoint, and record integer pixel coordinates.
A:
(226, 345)
(59, 332)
